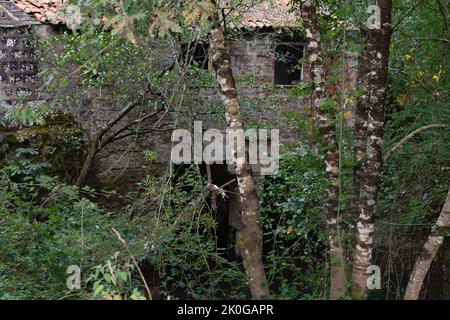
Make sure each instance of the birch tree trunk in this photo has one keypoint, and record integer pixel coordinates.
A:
(250, 238)
(378, 42)
(359, 152)
(429, 251)
(328, 136)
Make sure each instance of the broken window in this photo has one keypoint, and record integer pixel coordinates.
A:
(196, 54)
(288, 68)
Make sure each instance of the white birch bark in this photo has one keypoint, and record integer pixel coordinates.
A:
(377, 43)
(250, 238)
(429, 251)
(327, 129)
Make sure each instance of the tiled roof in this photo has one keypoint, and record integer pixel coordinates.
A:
(11, 16)
(254, 13)
(43, 10)
(266, 13)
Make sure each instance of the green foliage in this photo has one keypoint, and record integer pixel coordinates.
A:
(150, 156)
(293, 220)
(45, 227)
(100, 58)
(181, 242)
(416, 177)
(113, 281)
(24, 115)
(132, 19)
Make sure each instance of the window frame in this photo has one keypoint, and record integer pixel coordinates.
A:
(293, 44)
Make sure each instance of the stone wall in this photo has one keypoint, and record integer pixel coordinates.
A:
(121, 165)
(18, 65)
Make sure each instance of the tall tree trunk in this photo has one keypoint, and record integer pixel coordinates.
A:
(328, 136)
(250, 238)
(359, 152)
(429, 251)
(378, 42)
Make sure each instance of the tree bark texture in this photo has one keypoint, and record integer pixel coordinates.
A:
(377, 43)
(429, 251)
(250, 238)
(327, 131)
(360, 131)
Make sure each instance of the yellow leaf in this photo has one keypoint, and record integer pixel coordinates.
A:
(408, 57)
(290, 229)
(436, 78)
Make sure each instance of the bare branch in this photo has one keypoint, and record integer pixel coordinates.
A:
(410, 136)
(406, 15)
(420, 82)
(444, 12)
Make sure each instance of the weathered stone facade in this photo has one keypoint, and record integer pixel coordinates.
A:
(18, 65)
(253, 58)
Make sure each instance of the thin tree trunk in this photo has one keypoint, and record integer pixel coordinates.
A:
(378, 42)
(428, 253)
(328, 137)
(88, 162)
(96, 141)
(250, 238)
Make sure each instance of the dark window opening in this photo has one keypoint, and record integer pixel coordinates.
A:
(196, 54)
(288, 70)
(224, 208)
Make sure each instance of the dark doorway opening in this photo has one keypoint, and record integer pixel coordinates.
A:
(226, 207)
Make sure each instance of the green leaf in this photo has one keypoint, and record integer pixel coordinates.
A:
(98, 290)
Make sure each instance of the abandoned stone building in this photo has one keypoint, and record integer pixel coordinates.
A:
(269, 61)
(261, 50)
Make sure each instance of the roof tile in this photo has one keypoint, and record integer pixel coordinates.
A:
(43, 10)
(253, 14)
(266, 13)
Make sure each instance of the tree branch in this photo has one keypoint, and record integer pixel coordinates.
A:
(444, 12)
(420, 82)
(406, 15)
(410, 136)
(116, 138)
(89, 160)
